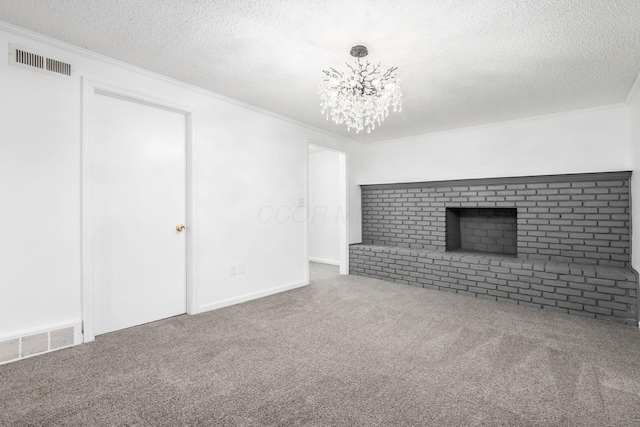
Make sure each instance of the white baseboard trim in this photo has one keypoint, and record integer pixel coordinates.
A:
(252, 296)
(324, 261)
(17, 346)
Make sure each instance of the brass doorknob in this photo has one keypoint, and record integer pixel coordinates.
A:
(180, 227)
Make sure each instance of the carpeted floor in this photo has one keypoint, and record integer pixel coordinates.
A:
(345, 351)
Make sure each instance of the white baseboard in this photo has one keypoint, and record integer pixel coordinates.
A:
(249, 297)
(324, 261)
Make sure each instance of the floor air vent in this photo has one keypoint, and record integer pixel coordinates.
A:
(35, 61)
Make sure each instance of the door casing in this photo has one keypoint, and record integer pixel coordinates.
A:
(89, 90)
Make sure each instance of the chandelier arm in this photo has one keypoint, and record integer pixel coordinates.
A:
(332, 73)
(366, 67)
(336, 72)
(351, 68)
(371, 77)
(390, 71)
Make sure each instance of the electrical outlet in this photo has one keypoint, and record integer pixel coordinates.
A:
(242, 268)
(234, 270)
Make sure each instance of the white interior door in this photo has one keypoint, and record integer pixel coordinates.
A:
(139, 182)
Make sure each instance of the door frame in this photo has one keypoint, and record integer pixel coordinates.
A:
(343, 232)
(89, 90)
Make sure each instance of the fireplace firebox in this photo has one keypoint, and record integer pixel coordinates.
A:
(487, 230)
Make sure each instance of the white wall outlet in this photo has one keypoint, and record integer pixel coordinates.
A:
(301, 202)
(234, 270)
(242, 268)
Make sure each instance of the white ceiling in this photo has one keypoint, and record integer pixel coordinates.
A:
(461, 62)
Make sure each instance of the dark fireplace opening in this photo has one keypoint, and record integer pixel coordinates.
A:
(488, 230)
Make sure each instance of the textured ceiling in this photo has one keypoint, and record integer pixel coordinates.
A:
(461, 62)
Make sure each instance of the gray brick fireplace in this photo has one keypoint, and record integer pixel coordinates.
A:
(559, 243)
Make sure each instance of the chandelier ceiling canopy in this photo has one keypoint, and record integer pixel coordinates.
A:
(361, 96)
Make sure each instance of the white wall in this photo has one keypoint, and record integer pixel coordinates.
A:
(325, 210)
(634, 117)
(584, 141)
(246, 161)
(353, 157)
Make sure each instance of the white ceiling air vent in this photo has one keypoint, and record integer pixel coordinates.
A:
(24, 58)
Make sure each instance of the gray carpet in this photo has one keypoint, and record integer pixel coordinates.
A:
(344, 351)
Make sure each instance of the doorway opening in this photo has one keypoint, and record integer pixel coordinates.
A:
(327, 217)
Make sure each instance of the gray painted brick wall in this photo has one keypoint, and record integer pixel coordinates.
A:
(573, 242)
(568, 220)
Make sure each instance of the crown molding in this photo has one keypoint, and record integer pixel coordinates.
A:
(68, 47)
(496, 124)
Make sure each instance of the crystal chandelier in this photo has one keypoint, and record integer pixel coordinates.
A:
(360, 98)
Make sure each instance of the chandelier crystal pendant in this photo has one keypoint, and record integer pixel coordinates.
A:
(361, 97)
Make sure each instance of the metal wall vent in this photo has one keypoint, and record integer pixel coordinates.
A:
(58, 67)
(35, 61)
(30, 59)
